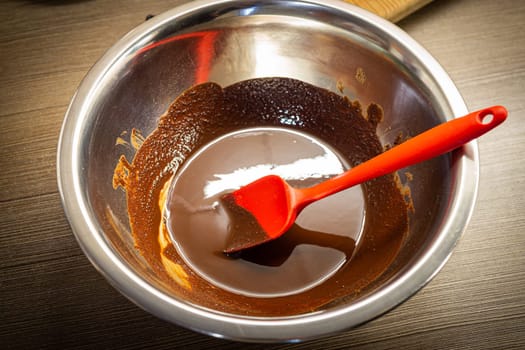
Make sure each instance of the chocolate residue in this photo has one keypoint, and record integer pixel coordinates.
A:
(360, 75)
(340, 86)
(244, 228)
(399, 139)
(374, 115)
(207, 111)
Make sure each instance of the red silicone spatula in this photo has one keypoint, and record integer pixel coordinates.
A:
(274, 205)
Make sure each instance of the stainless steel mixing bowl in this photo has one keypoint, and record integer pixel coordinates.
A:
(327, 43)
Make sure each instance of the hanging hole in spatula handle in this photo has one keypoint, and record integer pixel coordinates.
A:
(464, 129)
(492, 115)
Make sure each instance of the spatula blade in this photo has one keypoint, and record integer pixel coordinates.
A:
(259, 212)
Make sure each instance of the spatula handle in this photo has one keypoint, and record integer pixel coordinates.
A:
(429, 144)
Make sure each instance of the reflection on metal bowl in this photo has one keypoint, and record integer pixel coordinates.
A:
(329, 44)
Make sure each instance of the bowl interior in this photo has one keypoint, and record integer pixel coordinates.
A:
(324, 46)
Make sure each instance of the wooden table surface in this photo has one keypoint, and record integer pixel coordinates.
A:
(52, 297)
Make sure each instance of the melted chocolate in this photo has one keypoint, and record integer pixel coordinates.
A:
(207, 111)
(201, 223)
(243, 227)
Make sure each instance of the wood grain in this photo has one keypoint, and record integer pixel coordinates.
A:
(393, 10)
(52, 297)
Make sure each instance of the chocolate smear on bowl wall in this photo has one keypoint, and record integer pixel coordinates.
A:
(205, 112)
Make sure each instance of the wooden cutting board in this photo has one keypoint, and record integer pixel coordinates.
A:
(393, 10)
